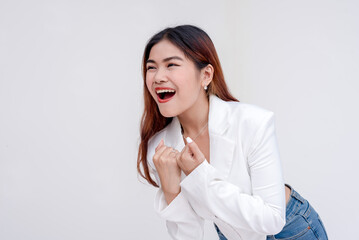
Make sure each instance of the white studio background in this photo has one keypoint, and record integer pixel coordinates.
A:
(71, 102)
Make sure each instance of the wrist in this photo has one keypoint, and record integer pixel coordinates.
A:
(169, 196)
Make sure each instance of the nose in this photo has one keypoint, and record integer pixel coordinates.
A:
(160, 76)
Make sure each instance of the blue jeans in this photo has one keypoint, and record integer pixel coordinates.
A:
(302, 221)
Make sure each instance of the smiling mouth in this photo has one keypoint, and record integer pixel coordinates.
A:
(165, 95)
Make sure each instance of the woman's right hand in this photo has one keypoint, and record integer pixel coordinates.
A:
(168, 170)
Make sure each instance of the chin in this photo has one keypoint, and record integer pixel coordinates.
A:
(168, 114)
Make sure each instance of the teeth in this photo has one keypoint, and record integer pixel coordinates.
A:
(165, 90)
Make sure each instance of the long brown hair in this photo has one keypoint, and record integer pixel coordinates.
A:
(197, 46)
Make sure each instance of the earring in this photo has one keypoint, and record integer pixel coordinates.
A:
(205, 87)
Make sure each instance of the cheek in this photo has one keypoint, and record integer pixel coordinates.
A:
(148, 83)
(189, 83)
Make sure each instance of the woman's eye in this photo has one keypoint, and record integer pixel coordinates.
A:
(169, 65)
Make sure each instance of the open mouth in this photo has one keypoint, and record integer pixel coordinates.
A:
(164, 95)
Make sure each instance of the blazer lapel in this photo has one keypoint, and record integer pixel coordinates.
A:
(221, 145)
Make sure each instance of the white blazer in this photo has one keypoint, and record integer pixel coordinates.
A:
(241, 190)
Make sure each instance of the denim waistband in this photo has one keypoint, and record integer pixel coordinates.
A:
(295, 195)
(294, 203)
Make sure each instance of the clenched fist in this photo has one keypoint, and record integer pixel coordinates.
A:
(190, 157)
(165, 161)
(169, 162)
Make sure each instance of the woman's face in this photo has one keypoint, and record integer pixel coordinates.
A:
(169, 70)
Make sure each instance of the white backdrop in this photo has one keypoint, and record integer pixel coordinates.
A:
(71, 102)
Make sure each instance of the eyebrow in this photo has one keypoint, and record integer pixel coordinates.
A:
(164, 60)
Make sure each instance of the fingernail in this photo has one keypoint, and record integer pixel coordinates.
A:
(189, 140)
(159, 143)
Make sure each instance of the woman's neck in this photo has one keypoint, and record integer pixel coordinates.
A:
(196, 117)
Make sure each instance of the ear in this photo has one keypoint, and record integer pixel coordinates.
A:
(207, 75)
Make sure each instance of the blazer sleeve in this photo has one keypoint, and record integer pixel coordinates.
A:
(263, 211)
(181, 221)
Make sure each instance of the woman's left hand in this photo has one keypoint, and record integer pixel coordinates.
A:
(190, 157)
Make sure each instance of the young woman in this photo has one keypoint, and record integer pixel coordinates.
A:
(212, 157)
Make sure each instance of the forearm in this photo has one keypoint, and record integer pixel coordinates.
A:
(170, 196)
(181, 221)
(212, 196)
